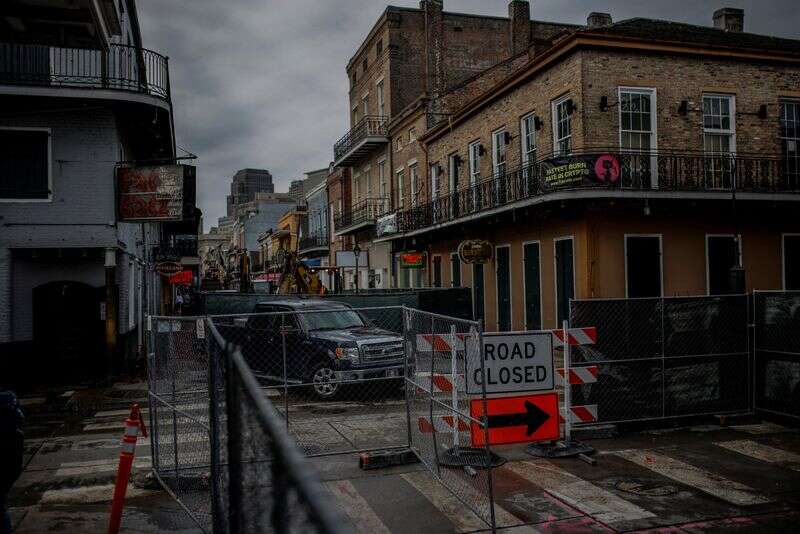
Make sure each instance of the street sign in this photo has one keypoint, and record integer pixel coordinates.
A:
(168, 268)
(513, 363)
(522, 419)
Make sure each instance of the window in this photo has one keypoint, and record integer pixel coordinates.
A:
(478, 292)
(355, 77)
(400, 197)
(399, 144)
(643, 266)
(719, 139)
(368, 181)
(499, 152)
(722, 254)
(364, 65)
(379, 47)
(412, 172)
(565, 277)
(365, 105)
(503, 285)
(528, 139)
(412, 135)
(790, 142)
(791, 262)
(382, 179)
(437, 271)
(455, 270)
(355, 115)
(435, 182)
(381, 101)
(24, 165)
(474, 162)
(637, 112)
(453, 162)
(532, 273)
(356, 187)
(562, 126)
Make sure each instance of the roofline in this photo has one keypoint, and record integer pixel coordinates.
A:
(588, 39)
(375, 27)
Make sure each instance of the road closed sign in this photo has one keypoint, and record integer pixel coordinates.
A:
(513, 363)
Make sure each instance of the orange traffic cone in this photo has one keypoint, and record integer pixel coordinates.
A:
(133, 424)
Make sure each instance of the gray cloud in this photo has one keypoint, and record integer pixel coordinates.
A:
(261, 83)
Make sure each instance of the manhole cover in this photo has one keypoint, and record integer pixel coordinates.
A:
(328, 411)
(649, 490)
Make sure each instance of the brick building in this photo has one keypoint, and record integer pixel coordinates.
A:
(633, 159)
(413, 67)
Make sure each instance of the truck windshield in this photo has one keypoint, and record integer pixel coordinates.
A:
(332, 320)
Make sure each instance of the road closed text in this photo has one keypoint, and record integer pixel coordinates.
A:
(514, 363)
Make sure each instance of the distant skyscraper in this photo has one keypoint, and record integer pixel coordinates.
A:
(244, 186)
(296, 190)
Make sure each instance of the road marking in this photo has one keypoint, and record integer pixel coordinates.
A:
(765, 453)
(578, 493)
(90, 494)
(462, 518)
(110, 467)
(711, 483)
(761, 429)
(103, 461)
(356, 507)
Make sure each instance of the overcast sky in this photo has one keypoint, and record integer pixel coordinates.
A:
(262, 83)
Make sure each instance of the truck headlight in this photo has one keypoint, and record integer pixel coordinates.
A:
(347, 353)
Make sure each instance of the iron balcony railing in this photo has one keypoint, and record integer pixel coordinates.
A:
(369, 126)
(174, 251)
(119, 67)
(365, 211)
(308, 243)
(608, 170)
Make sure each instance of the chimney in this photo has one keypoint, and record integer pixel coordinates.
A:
(435, 82)
(729, 19)
(598, 20)
(519, 16)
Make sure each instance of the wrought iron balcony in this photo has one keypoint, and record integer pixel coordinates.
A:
(361, 215)
(696, 174)
(118, 68)
(176, 250)
(368, 134)
(313, 243)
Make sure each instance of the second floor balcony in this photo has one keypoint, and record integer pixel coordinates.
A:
(369, 134)
(612, 174)
(313, 244)
(124, 71)
(361, 215)
(176, 248)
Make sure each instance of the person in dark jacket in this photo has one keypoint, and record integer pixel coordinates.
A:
(11, 451)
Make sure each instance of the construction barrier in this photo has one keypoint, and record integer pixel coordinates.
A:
(133, 424)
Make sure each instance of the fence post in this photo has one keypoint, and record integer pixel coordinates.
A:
(150, 350)
(663, 361)
(454, 380)
(430, 398)
(285, 375)
(478, 338)
(174, 400)
(233, 412)
(407, 346)
(567, 389)
(213, 425)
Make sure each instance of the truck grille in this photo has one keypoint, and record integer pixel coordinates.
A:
(383, 351)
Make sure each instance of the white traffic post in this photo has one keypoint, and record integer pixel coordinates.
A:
(567, 400)
(454, 381)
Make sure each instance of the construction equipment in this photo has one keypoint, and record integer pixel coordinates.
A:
(297, 278)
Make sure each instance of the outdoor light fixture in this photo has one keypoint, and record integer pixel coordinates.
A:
(603, 103)
(683, 109)
(356, 253)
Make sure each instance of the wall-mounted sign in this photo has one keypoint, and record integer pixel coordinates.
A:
(412, 260)
(155, 193)
(585, 170)
(475, 251)
(386, 225)
(513, 363)
(168, 268)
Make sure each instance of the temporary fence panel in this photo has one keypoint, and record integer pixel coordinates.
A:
(439, 352)
(660, 358)
(335, 374)
(179, 415)
(777, 352)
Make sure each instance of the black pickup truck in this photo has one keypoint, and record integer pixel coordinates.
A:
(326, 342)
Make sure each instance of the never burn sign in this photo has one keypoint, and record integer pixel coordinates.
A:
(513, 363)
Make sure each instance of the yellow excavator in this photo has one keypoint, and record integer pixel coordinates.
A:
(297, 278)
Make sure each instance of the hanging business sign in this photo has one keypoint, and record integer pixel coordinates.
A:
(585, 170)
(386, 224)
(412, 260)
(168, 268)
(475, 251)
(513, 363)
(155, 193)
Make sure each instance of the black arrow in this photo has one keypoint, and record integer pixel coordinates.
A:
(533, 416)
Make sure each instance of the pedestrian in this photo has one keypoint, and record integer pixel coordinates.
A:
(178, 302)
(11, 451)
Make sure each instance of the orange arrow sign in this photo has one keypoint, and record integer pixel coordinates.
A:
(521, 419)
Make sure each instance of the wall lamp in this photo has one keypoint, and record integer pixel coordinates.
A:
(603, 103)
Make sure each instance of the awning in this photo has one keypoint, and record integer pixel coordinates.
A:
(183, 278)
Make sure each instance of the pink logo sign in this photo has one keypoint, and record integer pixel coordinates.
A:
(607, 168)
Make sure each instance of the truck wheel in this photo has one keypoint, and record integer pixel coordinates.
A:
(323, 381)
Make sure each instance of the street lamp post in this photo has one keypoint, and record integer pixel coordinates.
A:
(356, 253)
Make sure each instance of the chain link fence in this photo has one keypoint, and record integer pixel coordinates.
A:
(179, 424)
(661, 358)
(777, 352)
(334, 373)
(445, 429)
